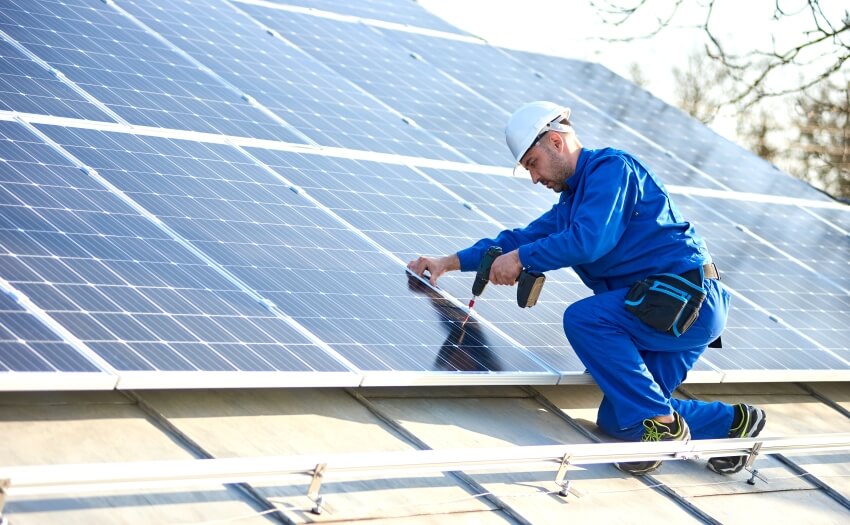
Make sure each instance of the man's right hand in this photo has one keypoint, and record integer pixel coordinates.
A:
(436, 266)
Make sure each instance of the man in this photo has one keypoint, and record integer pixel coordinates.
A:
(657, 301)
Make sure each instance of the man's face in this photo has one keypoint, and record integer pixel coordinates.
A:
(545, 165)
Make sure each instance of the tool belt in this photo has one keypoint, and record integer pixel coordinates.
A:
(669, 302)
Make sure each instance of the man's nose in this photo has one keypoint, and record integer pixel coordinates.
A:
(534, 177)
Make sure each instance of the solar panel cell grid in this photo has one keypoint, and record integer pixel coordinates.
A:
(116, 281)
(246, 274)
(130, 71)
(325, 106)
(391, 73)
(347, 292)
(28, 345)
(27, 87)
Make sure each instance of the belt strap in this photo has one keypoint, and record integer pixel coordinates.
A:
(709, 271)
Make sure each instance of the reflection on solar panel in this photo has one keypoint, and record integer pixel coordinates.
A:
(336, 144)
(384, 10)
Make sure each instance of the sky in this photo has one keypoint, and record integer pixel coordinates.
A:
(573, 28)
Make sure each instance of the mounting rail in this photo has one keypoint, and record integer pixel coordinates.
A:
(315, 469)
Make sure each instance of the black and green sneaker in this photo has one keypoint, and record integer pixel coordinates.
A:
(654, 430)
(748, 422)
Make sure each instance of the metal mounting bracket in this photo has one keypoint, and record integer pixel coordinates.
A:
(749, 465)
(566, 485)
(315, 486)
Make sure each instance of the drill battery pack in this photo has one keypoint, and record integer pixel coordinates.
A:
(528, 289)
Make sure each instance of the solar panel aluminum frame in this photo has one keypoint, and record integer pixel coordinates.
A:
(152, 380)
(47, 381)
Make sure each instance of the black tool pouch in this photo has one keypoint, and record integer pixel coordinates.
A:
(667, 302)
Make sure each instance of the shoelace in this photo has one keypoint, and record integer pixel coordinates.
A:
(652, 433)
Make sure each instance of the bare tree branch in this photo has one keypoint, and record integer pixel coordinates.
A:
(825, 43)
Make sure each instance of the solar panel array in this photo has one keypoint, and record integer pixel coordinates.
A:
(226, 193)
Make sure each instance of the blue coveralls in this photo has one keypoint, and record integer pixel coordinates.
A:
(614, 224)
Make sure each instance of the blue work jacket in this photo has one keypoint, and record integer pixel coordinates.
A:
(613, 224)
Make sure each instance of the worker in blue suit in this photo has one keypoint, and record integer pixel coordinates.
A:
(658, 301)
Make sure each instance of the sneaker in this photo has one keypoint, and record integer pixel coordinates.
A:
(748, 422)
(656, 431)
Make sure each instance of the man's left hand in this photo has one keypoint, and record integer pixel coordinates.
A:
(506, 269)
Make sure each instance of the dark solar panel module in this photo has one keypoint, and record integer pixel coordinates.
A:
(27, 87)
(120, 284)
(322, 104)
(394, 75)
(130, 71)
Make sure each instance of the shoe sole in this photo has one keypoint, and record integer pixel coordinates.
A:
(741, 460)
(623, 467)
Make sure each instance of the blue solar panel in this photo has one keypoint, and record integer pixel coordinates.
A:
(409, 13)
(27, 87)
(384, 69)
(508, 84)
(323, 274)
(325, 106)
(120, 284)
(775, 283)
(190, 256)
(130, 71)
(28, 345)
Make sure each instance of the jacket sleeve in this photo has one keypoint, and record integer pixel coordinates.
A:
(509, 240)
(608, 199)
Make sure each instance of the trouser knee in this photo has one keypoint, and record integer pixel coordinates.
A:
(576, 318)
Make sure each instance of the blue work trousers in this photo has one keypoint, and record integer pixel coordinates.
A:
(638, 367)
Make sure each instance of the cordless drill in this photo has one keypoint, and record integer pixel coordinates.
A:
(529, 283)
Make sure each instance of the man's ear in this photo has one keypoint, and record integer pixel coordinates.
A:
(557, 141)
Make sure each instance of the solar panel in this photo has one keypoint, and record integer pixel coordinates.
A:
(418, 90)
(508, 83)
(35, 357)
(120, 284)
(28, 87)
(786, 316)
(320, 103)
(186, 260)
(344, 290)
(130, 71)
(408, 215)
(408, 13)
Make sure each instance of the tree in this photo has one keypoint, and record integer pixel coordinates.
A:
(699, 88)
(817, 48)
(822, 145)
(802, 67)
(637, 75)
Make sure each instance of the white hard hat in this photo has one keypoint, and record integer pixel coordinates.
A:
(530, 121)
